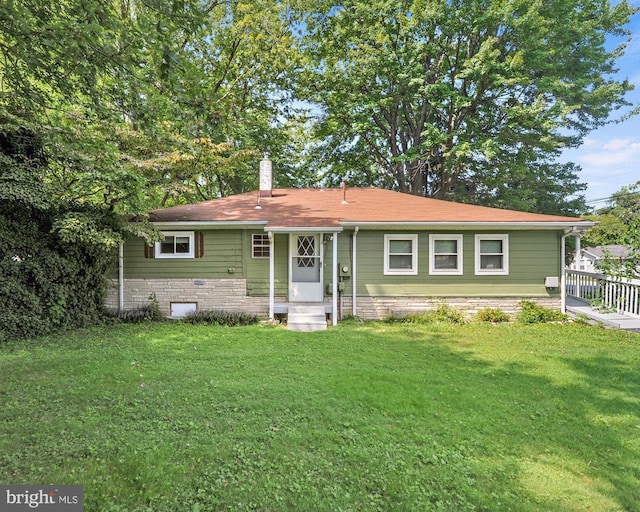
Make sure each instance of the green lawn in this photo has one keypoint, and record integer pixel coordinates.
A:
(172, 417)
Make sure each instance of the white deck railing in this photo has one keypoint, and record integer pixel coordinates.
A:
(619, 294)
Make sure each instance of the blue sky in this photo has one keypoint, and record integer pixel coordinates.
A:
(610, 156)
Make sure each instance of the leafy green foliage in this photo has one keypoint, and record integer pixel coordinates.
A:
(147, 313)
(492, 315)
(221, 318)
(146, 104)
(460, 99)
(48, 283)
(532, 313)
(54, 254)
(618, 224)
(444, 313)
(609, 230)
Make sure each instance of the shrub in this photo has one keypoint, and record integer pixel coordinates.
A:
(138, 315)
(532, 313)
(442, 314)
(220, 317)
(492, 315)
(48, 284)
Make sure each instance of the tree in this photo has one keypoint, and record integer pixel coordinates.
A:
(463, 98)
(616, 220)
(625, 204)
(144, 104)
(113, 108)
(619, 224)
(610, 230)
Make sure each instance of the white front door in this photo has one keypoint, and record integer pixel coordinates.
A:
(305, 268)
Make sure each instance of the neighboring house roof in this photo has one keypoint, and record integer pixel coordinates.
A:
(337, 208)
(615, 251)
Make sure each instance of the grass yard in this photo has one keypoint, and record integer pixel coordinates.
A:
(362, 417)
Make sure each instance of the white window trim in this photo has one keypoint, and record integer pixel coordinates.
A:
(414, 256)
(253, 246)
(505, 256)
(432, 256)
(186, 255)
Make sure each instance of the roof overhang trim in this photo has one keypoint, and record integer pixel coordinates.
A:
(302, 229)
(210, 224)
(472, 225)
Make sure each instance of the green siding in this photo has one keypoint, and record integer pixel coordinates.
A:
(344, 258)
(533, 255)
(222, 258)
(257, 270)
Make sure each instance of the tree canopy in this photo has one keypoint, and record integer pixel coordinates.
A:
(618, 221)
(470, 100)
(144, 104)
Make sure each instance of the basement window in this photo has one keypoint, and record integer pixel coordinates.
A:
(182, 309)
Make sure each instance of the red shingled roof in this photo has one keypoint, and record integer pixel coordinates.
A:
(317, 208)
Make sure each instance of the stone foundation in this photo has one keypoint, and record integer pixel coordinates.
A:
(377, 308)
(208, 294)
(231, 295)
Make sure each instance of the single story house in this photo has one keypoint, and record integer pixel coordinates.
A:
(366, 252)
(591, 257)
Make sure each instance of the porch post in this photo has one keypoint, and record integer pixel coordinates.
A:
(271, 275)
(334, 312)
(577, 258)
(578, 254)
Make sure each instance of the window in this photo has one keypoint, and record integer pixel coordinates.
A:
(445, 254)
(492, 254)
(400, 254)
(182, 309)
(176, 244)
(260, 246)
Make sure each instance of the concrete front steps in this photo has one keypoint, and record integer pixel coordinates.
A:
(306, 318)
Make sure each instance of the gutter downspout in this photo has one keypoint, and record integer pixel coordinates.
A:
(271, 276)
(121, 277)
(354, 274)
(334, 313)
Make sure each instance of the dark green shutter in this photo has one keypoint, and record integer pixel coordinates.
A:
(199, 241)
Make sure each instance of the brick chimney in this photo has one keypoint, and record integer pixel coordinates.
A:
(266, 176)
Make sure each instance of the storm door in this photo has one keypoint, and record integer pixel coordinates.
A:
(305, 268)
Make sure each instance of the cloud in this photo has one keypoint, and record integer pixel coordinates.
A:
(615, 156)
(608, 164)
(588, 142)
(618, 144)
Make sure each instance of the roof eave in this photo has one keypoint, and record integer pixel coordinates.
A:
(304, 229)
(199, 224)
(462, 225)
